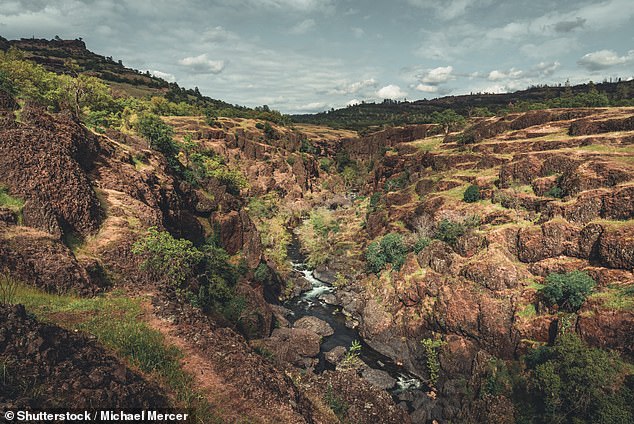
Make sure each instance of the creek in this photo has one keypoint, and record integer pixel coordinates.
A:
(311, 303)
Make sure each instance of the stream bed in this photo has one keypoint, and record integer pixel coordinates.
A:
(310, 303)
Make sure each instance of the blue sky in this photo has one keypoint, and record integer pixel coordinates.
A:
(311, 55)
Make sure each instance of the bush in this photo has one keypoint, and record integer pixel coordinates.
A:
(570, 382)
(569, 290)
(449, 231)
(471, 194)
(555, 191)
(155, 131)
(420, 244)
(325, 164)
(431, 348)
(390, 249)
(166, 258)
(262, 273)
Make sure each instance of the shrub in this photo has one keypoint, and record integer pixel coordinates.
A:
(390, 249)
(262, 273)
(325, 164)
(157, 133)
(166, 258)
(374, 201)
(420, 244)
(569, 290)
(471, 194)
(431, 347)
(555, 191)
(449, 231)
(570, 382)
(337, 404)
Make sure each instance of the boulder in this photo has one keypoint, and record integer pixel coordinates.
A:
(335, 355)
(315, 325)
(379, 378)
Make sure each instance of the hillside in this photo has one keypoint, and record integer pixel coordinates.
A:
(253, 271)
(390, 112)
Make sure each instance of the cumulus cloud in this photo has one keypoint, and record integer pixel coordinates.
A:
(353, 102)
(604, 59)
(355, 87)
(165, 75)
(426, 88)
(513, 73)
(303, 27)
(391, 92)
(202, 64)
(438, 75)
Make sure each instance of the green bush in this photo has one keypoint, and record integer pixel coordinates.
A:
(390, 249)
(449, 231)
(431, 347)
(420, 244)
(570, 382)
(325, 164)
(569, 290)
(471, 194)
(262, 273)
(166, 258)
(157, 133)
(555, 191)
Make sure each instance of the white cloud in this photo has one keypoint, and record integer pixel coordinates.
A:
(513, 73)
(425, 88)
(303, 27)
(604, 59)
(165, 75)
(447, 9)
(202, 64)
(312, 107)
(353, 102)
(355, 87)
(438, 75)
(391, 92)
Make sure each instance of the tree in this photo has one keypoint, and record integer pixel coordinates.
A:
(448, 119)
(570, 382)
(471, 194)
(157, 133)
(569, 290)
(165, 258)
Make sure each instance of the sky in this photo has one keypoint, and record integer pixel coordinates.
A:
(305, 56)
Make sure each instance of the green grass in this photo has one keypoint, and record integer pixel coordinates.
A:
(14, 204)
(428, 144)
(116, 321)
(528, 311)
(616, 297)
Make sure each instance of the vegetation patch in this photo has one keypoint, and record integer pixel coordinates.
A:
(568, 291)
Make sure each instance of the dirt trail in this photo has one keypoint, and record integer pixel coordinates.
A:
(226, 401)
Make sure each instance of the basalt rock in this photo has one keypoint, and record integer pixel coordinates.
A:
(66, 368)
(37, 258)
(45, 162)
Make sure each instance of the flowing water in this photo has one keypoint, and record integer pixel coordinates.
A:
(310, 303)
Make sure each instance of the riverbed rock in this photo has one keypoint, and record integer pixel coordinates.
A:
(315, 325)
(297, 346)
(378, 378)
(335, 355)
(329, 299)
(325, 274)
